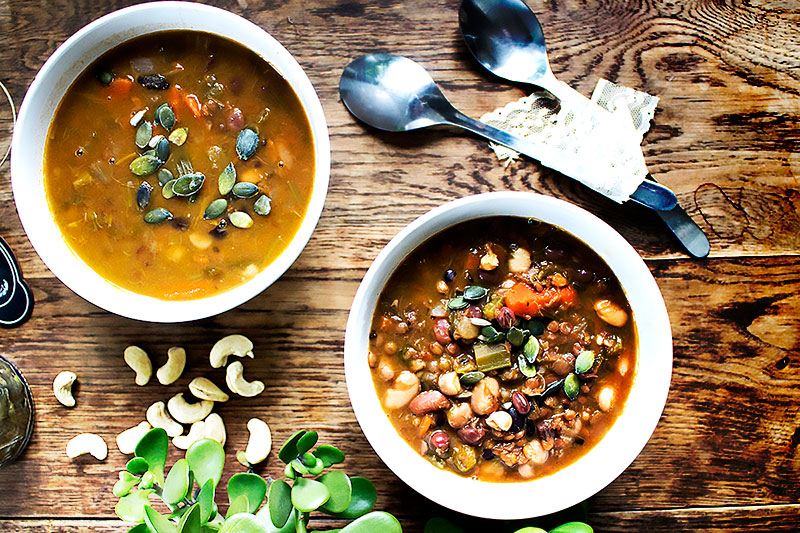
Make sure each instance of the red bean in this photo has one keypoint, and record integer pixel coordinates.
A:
(471, 435)
(236, 119)
(440, 440)
(428, 401)
(441, 328)
(505, 317)
(521, 403)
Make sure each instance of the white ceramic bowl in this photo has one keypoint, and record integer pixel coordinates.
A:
(39, 106)
(601, 465)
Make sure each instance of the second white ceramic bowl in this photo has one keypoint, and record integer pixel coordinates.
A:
(603, 463)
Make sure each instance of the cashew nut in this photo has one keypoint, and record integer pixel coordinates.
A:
(87, 443)
(62, 387)
(196, 433)
(188, 413)
(215, 428)
(236, 383)
(260, 443)
(237, 345)
(138, 360)
(128, 439)
(204, 389)
(159, 418)
(173, 368)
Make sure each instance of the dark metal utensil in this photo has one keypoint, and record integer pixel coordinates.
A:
(16, 299)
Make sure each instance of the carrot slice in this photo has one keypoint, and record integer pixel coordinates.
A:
(524, 300)
(193, 103)
(119, 87)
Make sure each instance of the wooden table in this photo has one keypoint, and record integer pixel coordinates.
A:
(725, 454)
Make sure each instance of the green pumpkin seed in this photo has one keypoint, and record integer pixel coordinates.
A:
(531, 349)
(527, 368)
(157, 215)
(165, 116)
(473, 292)
(145, 165)
(137, 117)
(263, 205)
(193, 198)
(143, 195)
(151, 153)
(105, 77)
(535, 326)
(516, 336)
(227, 179)
(244, 190)
(167, 191)
(162, 149)
(457, 303)
(143, 134)
(492, 335)
(240, 219)
(572, 386)
(215, 208)
(471, 378)
(188, 184)
(246, 143)
(164, 176)
(584, 362)
(178, 137)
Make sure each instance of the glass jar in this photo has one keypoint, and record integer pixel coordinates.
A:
(16, 412)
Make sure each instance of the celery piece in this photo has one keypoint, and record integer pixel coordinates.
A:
(492, 356)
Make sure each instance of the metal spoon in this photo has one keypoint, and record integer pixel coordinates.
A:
(506, 38)
(393, 93)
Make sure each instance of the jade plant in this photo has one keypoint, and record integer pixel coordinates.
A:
(189, 490)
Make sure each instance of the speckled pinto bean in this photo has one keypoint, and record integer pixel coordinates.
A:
(428, 401)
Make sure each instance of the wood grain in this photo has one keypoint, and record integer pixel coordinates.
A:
(725, 455)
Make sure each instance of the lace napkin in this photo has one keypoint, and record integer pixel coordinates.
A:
(596, 142)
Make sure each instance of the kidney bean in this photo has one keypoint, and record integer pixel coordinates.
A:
(505, 317)
(471, 435)
(236, 119)
(521, 403)
(440, 440)
(428, 401)
(441, 328)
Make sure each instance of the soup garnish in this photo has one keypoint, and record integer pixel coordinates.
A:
(502, 349)
(179, 165)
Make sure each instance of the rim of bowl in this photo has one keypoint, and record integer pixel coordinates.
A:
(606, 460)
(41, 101)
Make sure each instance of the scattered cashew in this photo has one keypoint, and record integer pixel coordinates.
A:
(205, 389)
(260, 443)
(173, 368)
(237, 345)
(234, 377)
(188, 413)
(196, 432)
(128, 439)
(62, 387)
(215, 428)
(159, 418)
(138, 360)
(87, 443)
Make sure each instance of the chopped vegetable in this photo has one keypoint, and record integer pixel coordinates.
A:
(492, 356)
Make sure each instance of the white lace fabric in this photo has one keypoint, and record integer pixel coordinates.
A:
(597, 141)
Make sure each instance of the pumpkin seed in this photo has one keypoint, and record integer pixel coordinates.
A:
(215, 208)
(137, 117)
(151, 153)
(572, 386)
(143, 195)
(471, 378)
(534, 325)
(165, 116)
(457, 303)
(552, 388)
(531, 349)
(143, 134)
(263, 205)
(154, 141)
(157, 215)
(473, 292)
(527, 368)
(167, 191)
(105, 77)
(240, 219)
(244, 190)
(246, 143)
(178, 136)
(162, 149)
(164, 175)
(227, 179)
(145, 164)
(516, 336)
(584, 362)
(189, 184)
(492, 335)
(193, 198)
(480, 322)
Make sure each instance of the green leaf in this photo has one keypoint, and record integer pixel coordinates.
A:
(137, 466)
(130, 508)
(573, 527)
(141, 528)
(238, 505)
(206, 459)
(244, 523)
(341, 491)
(157, 522)
(147, 480)
(279, 503)
(362, 501)
(125, 484)
(176, 485)
(531, 530)
(289, 527)
(306, 442)
(308, 495)
(190, 521)
(153, 449)
(376, 521)
(252, 486)
(289, 449)
(441, 525)
(329, 455)
(206, 500)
